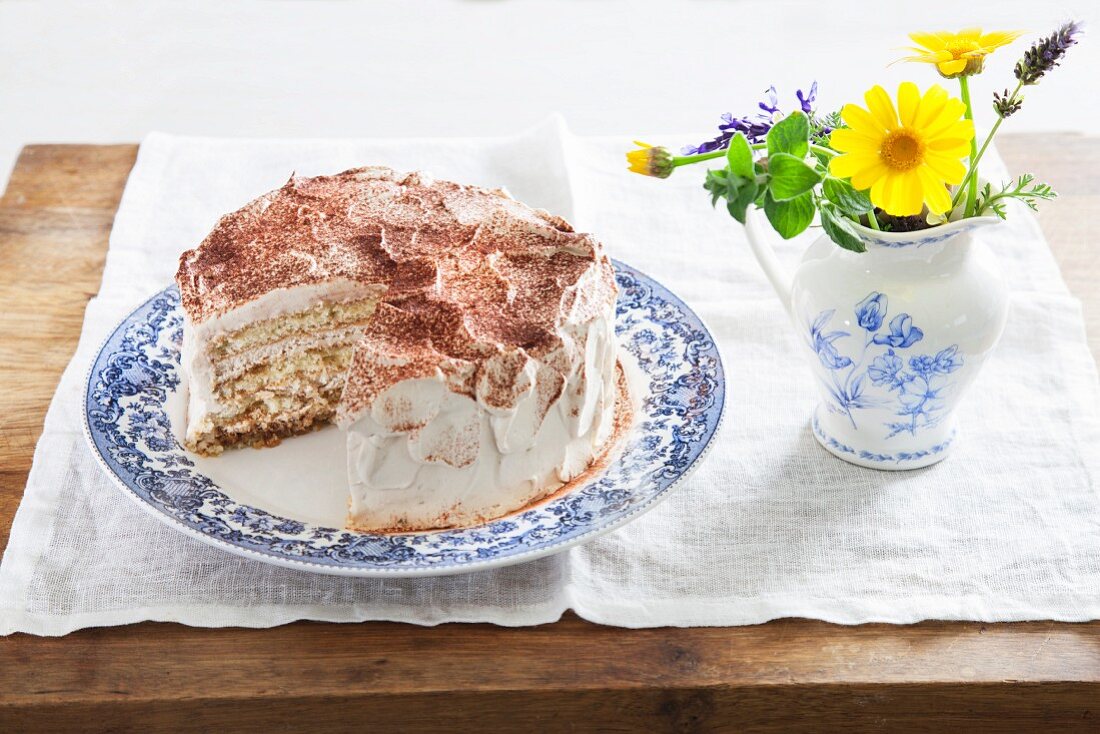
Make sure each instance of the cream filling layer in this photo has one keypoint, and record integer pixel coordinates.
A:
(316, 371)
(206, 373)
(231, 369)
(321, 317)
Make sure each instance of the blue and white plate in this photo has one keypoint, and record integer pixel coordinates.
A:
(285, 505)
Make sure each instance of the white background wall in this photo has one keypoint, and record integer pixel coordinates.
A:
(112, 71)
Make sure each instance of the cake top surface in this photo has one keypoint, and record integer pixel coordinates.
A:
(466, 274)
(372, 225)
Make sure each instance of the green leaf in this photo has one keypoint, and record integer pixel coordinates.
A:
(1024, 189)
(739, 155)
(790, 217)
(840, 230)
(738, 192)
(717, 184)
(790, 176)
(847, 199)
(739, 202)
(790, 135)
(823, 159)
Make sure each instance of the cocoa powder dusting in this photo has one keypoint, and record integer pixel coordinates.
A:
(468, 273)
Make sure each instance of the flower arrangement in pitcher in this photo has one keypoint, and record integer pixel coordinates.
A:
(897, 164)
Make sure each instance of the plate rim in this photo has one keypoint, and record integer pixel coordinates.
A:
(553, 548)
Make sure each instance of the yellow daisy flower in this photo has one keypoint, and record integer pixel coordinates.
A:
(905, 155)
(650, 161)
(958, 54)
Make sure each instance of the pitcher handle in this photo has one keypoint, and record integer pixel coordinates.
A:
(760, 242)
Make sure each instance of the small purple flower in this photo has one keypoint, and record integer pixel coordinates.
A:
(771, 104)
(755, 130)
(902, 333)
(755, 127)
(886, 370)
(947, 360)
(871, 311)
(807, 101)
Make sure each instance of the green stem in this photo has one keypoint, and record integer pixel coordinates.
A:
(972, 188)
(873, 221)
(970, 174)
(996, 197)
(970, 182)
(687, 160)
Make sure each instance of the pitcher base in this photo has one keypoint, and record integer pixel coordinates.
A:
(896, 461)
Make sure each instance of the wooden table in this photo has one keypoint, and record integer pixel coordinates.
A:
(54, 222)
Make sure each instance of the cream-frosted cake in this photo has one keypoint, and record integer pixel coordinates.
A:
(463, 341)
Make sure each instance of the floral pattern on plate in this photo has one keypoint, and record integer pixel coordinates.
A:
(128, 427)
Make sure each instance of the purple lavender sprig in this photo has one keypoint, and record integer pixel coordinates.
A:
(1045, 54)
(756, 127)
(1006, 104)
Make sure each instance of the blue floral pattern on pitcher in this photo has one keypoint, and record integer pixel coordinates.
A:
(881, 373)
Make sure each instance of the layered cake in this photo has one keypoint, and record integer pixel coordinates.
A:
(463, 341)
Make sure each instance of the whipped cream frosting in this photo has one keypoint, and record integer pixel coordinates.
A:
(485, 376)
(435, 440)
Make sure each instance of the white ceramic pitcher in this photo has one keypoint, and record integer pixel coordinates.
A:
(895, 335)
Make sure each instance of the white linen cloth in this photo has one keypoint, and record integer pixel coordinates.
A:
(1008, 528)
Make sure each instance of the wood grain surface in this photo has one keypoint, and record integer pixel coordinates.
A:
(570, 676)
